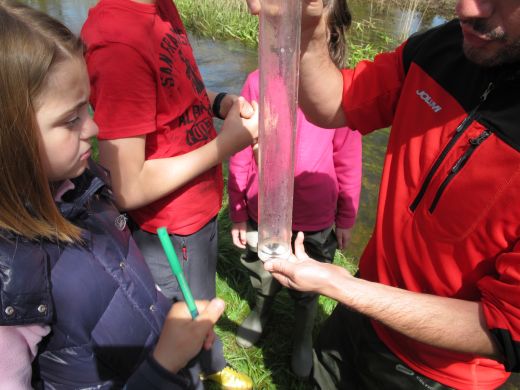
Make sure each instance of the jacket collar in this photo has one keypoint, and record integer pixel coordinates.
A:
(75, 201)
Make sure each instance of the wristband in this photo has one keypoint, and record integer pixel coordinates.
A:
(216, 104)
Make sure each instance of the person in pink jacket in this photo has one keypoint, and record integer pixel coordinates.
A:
(326, 197)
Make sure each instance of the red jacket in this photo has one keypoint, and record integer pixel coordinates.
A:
(448, 219)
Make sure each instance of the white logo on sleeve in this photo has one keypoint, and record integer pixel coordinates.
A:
(429, 101)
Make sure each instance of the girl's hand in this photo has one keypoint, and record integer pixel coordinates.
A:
(239, 131)
(182, 337)
(343, 236)
(238, 232)
(246, 109)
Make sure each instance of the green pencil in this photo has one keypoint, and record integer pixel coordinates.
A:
(177, 270)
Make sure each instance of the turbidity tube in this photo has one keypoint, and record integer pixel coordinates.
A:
(279, 56)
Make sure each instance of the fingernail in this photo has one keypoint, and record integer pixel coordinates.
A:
(219, 303)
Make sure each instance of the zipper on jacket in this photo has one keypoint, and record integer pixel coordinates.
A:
(184, 250)
(458, 133)
(474, 143)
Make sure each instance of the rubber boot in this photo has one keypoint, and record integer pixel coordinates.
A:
(301, 359)
(250, 331)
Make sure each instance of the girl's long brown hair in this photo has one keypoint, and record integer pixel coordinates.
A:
(31, 43)
(339, 21)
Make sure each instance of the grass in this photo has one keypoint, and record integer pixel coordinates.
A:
(220, 19)
(230, 19)
(268, 362)
(420, 4)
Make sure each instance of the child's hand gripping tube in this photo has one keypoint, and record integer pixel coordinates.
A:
(164, 237)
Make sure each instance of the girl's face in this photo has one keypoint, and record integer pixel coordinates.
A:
(66, 127)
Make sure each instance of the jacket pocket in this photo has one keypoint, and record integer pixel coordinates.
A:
(474, 143)
(460, 198)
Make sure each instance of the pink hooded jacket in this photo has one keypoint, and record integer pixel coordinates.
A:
(327, 175)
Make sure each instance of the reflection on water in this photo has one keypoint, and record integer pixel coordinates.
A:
(224, 65)
(380, 22)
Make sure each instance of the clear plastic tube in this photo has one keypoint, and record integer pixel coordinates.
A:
(279, 54)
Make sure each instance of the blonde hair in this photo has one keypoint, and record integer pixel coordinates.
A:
(31, 44)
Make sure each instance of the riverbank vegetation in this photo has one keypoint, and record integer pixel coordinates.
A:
(230, 19)
(220, 19)
(421, 5)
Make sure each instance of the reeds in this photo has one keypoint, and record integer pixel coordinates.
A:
(410, 13)
(220, 19)
(230, 19)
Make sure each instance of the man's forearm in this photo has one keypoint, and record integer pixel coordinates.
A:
(447, 323)
(321, 83)
(321, 87)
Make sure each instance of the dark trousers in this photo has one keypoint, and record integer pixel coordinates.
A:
(349, 355)
(197, 254)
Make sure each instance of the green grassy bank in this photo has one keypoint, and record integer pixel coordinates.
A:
(230, 19)
(420, 4)
(220, 19)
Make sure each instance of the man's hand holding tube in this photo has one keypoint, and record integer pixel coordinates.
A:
(301, 272)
